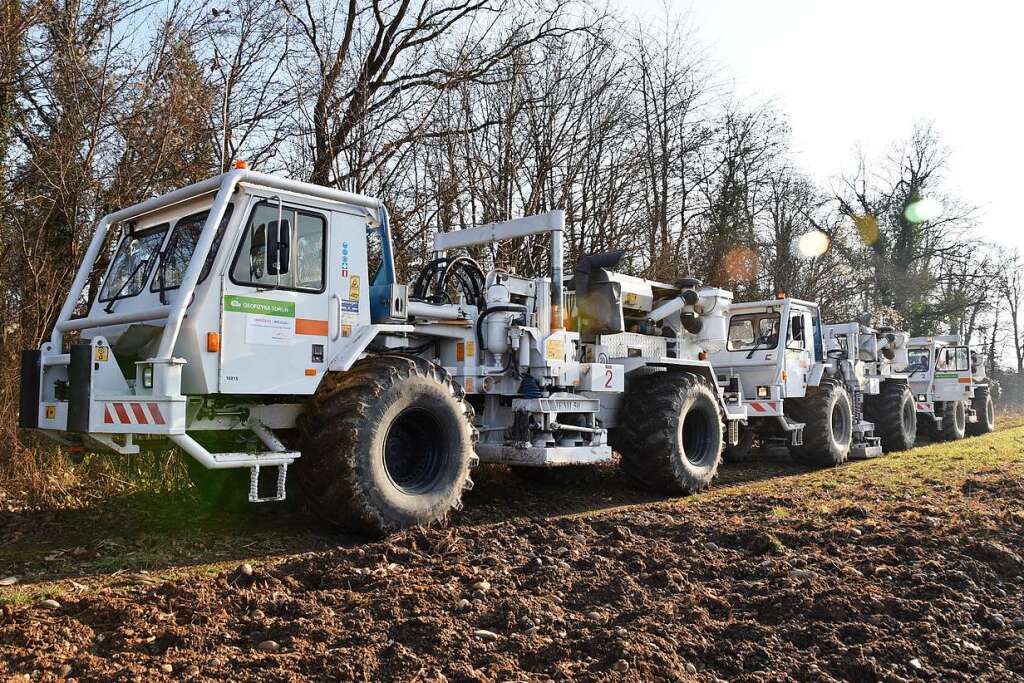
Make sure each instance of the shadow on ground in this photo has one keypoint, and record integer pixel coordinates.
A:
(167, 533)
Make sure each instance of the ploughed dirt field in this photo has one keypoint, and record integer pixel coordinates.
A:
(903, 568)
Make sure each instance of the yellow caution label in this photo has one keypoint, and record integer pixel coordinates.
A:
(346, 330)
(470, 349)
(631, 299)
(554, 349)
(460, 352)
(353, 288)
(102, 353)
(51, 412)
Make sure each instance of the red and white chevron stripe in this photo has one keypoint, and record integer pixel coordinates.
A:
(763, 406)
(132, 413)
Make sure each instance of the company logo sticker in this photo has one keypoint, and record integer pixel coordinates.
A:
(248, 304)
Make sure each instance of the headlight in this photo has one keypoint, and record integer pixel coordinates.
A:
(764, 392)
(922, 398)
(147, 376)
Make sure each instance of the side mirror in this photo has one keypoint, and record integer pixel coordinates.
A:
(258, 251)
(278, 235)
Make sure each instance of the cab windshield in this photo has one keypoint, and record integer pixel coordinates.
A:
(132, 263)
(180, 247)
(917, 360)
(754, 330)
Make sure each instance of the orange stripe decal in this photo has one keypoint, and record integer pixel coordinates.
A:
(964, 380)
(314, 327)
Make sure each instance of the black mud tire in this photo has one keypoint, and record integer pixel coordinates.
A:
(894, 414)
(954, 420)
(827, 414)
(743, 451)
(387, 445)
(986, 411)
(670, 433)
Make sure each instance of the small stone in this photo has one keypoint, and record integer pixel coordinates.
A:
(257, 614)
(855, 532)
(167, 668)
(269, 646)
(532, 631)
(216, 661)
(690, 668)
(1018, 623)
(622, 666)
(482, 586)
(538, 562)
(916, 663)
(997, 621)
(484, 634)
(65, 671)
(562, 551)
(462, 604)
(9, 580)
(802, 574)
(48, 603)
(563, 565)
(245, 569)
(621, 632)
(595, 616)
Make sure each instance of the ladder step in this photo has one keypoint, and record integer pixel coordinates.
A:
(254, 485)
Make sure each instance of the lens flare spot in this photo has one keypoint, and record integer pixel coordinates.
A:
(741, 264)
(867, 228)
(922, 210)
(812, 244)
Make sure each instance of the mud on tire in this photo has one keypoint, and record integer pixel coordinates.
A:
(827, 415)
(954, 420)
(386, 445)
(894, 415)
(986, 410)
(670, 433)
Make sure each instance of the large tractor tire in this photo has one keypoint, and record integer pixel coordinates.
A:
(827, 415)
(386, 446)
(954, 420)
(670, 433)
(743, 451)
(986, 410)
(894, 414)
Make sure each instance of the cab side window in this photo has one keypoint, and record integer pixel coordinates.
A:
(797, 333)
(282, 249)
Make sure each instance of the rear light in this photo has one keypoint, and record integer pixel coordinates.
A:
(922, 398)
(763, 392)
(703, 355)
(213, 342)
(147, 376)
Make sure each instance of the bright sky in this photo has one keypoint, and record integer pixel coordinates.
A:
(863, 72)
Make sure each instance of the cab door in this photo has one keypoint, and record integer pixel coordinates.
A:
(274, 320)
(952, 378)
(797, 352)
(348, 282)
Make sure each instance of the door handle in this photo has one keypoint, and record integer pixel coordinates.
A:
(336, 327)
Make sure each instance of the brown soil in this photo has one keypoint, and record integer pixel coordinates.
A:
(844, 575)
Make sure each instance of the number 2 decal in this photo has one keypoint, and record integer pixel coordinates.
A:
(609, 375)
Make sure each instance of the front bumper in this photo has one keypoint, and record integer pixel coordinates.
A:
(85, 392)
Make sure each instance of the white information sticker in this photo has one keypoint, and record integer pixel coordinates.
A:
(269, 329)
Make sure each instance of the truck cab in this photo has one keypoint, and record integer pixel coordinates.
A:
(951, 391)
